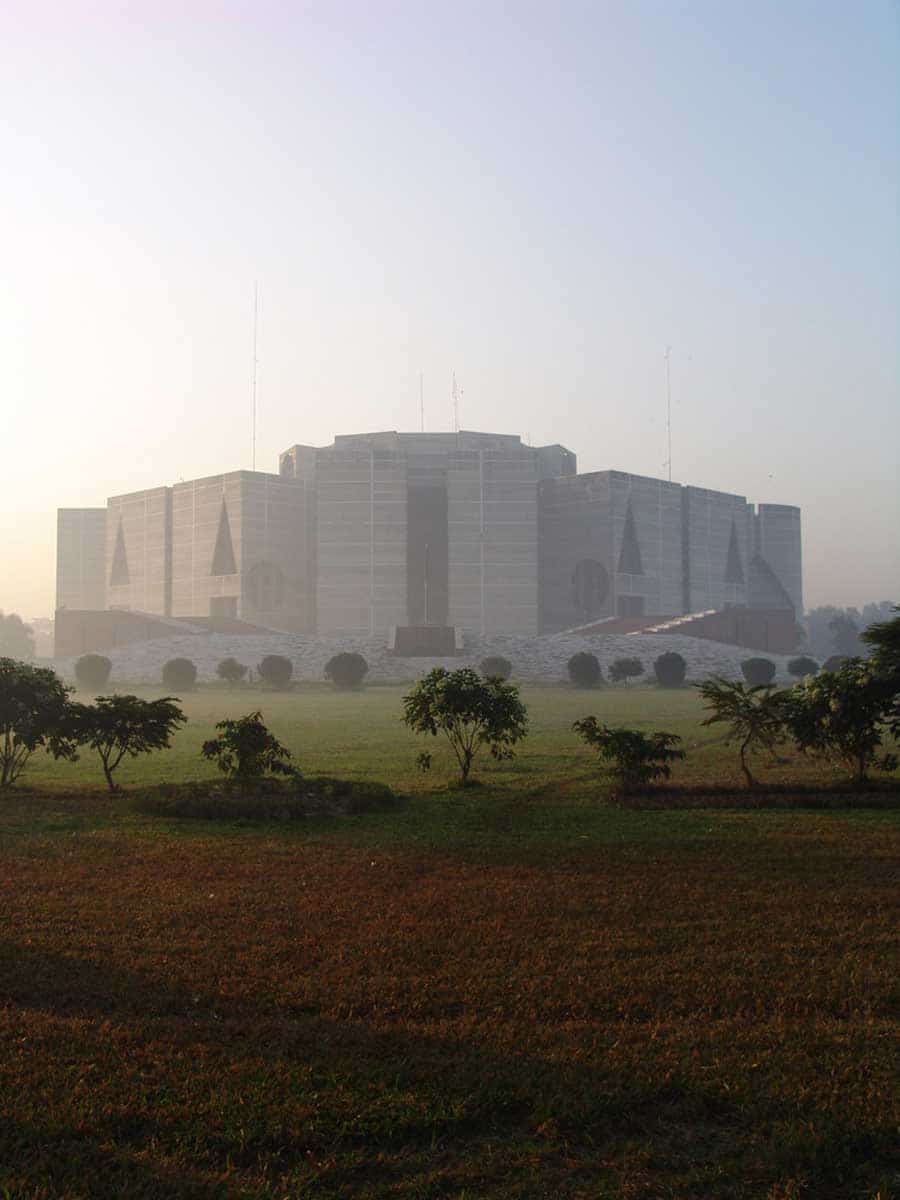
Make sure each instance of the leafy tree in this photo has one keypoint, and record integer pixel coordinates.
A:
(842, 715)
(637, 759)
(118, 725)
(625, 668)
(92, 671)
(470, 711)
(883, 640)
(844, 635)
(16, 638)
(276, 671)
(820, 638)
(245, 750)
(347, 669)
(230, 671)
(803, 665)
(835, 662)
(179, 673)
(670, 669)
(584, 669)
(755, 715)
(496, 666)
(34, 714)
(758, 670)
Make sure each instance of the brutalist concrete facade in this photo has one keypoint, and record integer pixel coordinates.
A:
(235, 545)
(619, 545)
(471, 530)
(81, 558)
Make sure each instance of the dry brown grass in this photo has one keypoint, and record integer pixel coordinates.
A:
(272, 1014)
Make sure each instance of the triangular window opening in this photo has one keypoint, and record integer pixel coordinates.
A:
(118, 573)
(630, 553)
(734, 571)
(223, 555)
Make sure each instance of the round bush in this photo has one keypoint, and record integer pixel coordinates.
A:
(802, 666)
(179, 673)
(584, 669)
(835, 662)
(625, 668)
(230, 670)
(495, 666)
(276, 671)
(670, 669)
(346, 669)
(92, 671)
(758, 670)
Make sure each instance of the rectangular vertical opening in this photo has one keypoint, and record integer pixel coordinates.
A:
(427, 555)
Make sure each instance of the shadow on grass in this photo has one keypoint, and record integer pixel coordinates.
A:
(278, 1094)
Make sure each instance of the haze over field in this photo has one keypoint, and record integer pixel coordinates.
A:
(540, 198)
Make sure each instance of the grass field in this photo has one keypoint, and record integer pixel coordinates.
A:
(509, 991)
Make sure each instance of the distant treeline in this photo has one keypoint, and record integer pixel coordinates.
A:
(828, 630)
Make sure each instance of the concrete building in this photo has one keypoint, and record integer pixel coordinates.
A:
(81, 558)
(475, 532)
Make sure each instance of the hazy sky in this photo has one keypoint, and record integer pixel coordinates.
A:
(540, 197)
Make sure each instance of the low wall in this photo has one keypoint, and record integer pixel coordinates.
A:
(83, 631)
(538, 659)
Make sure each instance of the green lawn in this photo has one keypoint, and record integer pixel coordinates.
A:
(359, 734)
(510, 991)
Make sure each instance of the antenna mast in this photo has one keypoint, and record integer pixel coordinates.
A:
(421, 401)
(667, 357)
(455, 393)
(253, 385)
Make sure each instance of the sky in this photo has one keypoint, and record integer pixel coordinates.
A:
(538, 197)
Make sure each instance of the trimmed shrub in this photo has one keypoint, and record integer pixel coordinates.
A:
(92, 671)
(230, 670)
(802, 666)
(275, 670)
(179, 673)
(495, 666)
(347, 669)
(835, 663)
(584, 669)
(670, 669)
(625, 668)
(758, 671)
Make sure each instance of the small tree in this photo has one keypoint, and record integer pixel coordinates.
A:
(276, 671)
(584, 669)
(16, 638)
(495, 666)
(883, 639)
(118, 725)
(755, 715)
(758, 671)
(34, 714)
(637, 759)
(802, 666)
(179, 673)
(624, 669)
(842, 715)
(471, 712)
(347, 669)
(245, 750)
(230, 671)
(92, 672)
(844, 634)
(670, 669)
